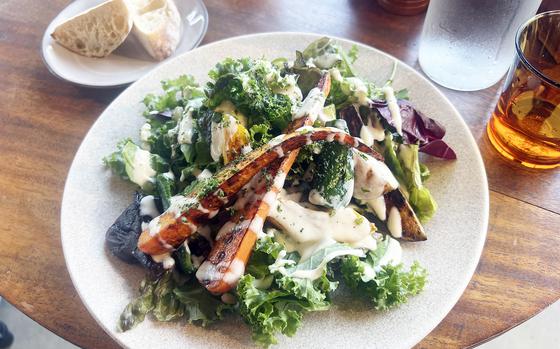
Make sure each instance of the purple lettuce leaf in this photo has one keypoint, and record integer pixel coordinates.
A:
(354, 121)
(419, 129)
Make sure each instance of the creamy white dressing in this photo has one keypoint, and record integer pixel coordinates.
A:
(291, 90)
(372, 178)
(178, 202)
(280, 263)
(145, 133)
(371, 132)
(222, 132)
(393, 107)
(312, 105)
(308, 230)
(276, 140)
(326, 60)
(316, 198)
(185, 129)
(207, 272)
(148, 207)
(335, 74)
(204, 174)
(235, 272)
(246, 149)
(392, 256)
(359, 90)
(166, 259)
(379, 207)
(394, 223)
(142, 171)
(227, 107)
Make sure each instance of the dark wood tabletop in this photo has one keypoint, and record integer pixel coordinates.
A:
(44, 119)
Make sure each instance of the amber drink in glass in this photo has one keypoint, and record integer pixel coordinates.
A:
(525, 126)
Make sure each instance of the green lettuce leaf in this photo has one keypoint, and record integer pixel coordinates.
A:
(389, 286)
(177, 92)
(279, 307)
(125, 159)
(115, 160)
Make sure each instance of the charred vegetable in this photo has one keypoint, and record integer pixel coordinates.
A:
(122, 237)
(333, 182)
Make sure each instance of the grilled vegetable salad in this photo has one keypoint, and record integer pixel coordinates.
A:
(263, 190)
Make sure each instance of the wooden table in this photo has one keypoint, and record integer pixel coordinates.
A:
(43, 120)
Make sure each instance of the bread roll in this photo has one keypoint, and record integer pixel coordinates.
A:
(157, 25)
(96, 32)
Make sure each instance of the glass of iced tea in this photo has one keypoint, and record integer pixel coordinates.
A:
(525, 126)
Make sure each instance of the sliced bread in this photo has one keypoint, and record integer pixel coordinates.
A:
(157, 25)
(96, 32)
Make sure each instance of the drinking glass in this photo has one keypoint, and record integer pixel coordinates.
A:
(525, 126)
(467, 45)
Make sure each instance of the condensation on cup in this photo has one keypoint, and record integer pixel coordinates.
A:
(468, 45)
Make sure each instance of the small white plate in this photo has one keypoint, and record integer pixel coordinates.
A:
(93, 198)
(129, 61)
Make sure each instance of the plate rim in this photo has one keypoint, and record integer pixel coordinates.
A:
(46, 37)
(480, 243)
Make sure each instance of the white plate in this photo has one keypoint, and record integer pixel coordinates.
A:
(129, 61)
(93, 198)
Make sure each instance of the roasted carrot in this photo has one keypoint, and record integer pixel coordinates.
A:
(234, 244)
(169, 230)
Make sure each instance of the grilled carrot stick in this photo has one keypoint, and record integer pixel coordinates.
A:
(234, 244)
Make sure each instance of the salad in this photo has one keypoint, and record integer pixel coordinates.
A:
(263, 190)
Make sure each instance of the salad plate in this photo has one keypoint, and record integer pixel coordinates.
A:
(94, 198)
(129, 61)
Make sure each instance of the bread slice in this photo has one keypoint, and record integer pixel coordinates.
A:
(157, 25)
(96, 32)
